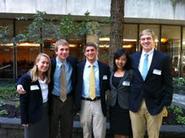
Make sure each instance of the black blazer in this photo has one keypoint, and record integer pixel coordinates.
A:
(73, 62)
(104, 74)
(31, 103)
(120, 94)
(157, 89)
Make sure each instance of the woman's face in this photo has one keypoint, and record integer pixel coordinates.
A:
(121, 61)
(43, 64)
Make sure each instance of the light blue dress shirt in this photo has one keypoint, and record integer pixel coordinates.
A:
(86, 75)
(57, 84)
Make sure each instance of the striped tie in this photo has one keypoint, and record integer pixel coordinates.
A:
(63, 91)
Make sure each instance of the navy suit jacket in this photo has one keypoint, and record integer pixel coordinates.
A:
(31, 105)
(156, 89)
(104, 74)
(73, 62)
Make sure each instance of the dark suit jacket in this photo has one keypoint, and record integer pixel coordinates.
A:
(73, 62)
(120, 94)
(31, 105)
(157, 89)
(104, 74)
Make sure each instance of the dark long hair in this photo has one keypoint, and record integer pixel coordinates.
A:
(118, 53)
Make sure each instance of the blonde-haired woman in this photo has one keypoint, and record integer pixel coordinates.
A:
(33, 103)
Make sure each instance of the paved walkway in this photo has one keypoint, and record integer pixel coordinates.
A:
(179, 99)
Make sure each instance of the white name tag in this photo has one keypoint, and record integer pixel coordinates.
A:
(126, 83)
(105, 77)
(34, 87)
(157, 72)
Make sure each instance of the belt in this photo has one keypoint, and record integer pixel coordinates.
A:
(89, 99)
(68, 95)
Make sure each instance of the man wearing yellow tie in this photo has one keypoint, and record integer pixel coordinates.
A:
(93, 81)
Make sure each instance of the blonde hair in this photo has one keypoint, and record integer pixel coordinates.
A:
(61, 42)
(34, 70)
(148, 32)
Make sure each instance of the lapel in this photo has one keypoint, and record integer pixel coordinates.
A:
(81, 69)
(121, 81)
(136, 61)
(155, 59)
(100, 71)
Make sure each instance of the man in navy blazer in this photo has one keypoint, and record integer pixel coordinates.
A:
(92, 111)
(151, 87)
(61, 112)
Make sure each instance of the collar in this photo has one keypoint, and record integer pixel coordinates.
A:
(88, 64)
(59, 62)
(148, 53)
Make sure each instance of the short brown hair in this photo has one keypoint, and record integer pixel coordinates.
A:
(61, 42)
(90, 44)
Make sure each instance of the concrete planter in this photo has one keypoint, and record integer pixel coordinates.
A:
(11, 128)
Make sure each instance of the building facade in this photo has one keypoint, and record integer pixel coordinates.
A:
(165, 17)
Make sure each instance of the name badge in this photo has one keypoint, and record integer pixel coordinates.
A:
(105, 77)
(157, 72)
(34, 87)
(126, 83)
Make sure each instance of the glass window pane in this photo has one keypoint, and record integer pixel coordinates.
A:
(6, 51)
(130, 37)
(170, 43)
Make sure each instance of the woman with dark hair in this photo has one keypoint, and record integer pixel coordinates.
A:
(120, 79)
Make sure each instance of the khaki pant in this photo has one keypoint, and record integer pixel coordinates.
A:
(143, 120)
(92, 119)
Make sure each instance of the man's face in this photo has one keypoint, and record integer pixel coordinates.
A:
(147, 42)
(90, 53)
(62, 52)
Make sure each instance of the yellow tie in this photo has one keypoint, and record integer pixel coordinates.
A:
(92, 83)
(63, 91)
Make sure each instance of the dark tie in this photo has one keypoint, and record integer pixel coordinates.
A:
(144, 70)
(63, 90)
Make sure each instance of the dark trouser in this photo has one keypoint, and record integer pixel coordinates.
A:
(61, 118)
(39, 129)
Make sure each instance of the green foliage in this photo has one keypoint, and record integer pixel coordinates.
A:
(4, 34)
(179, 81)
(3, 112)
(67, 27)
(70, 29)
(41, 29)
(88, 27)
(8, 91)
(176, 115)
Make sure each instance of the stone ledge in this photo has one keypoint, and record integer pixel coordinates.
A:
(11, 128)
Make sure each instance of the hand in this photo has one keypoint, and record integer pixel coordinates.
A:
(20, 89)
(25, 125)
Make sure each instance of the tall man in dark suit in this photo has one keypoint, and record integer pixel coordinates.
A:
(151, 88)
(93, 108)
(62, 90)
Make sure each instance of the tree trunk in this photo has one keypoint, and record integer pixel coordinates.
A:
(116, 34)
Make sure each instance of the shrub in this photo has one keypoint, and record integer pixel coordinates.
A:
(175, 116)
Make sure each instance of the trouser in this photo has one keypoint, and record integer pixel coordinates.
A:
(92, 119)
(61, 123)
(143, 120)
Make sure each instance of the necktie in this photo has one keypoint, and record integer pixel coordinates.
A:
(92, 83)
(145, 67)
(63, 90)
